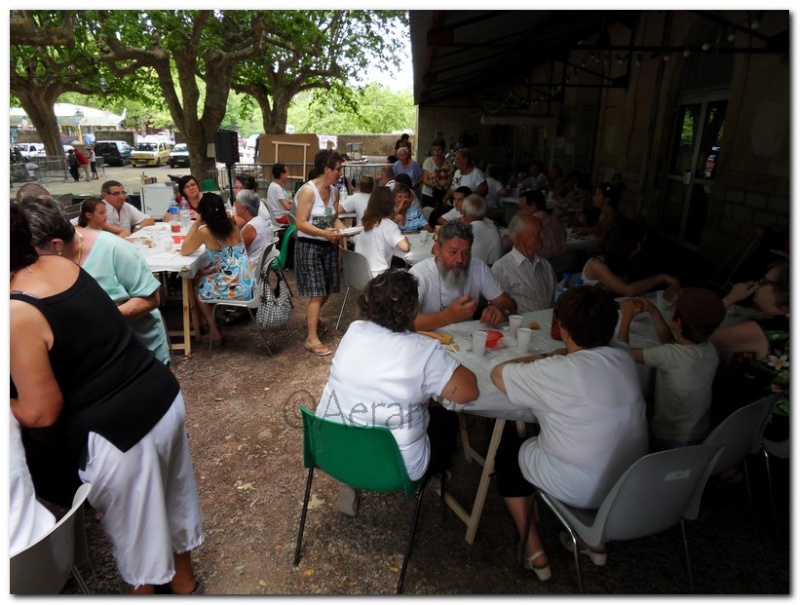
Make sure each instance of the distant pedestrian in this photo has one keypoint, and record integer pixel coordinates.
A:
(92, 161)
(72, 163)
(83, 162)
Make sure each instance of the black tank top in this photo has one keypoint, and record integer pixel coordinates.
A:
(111, 383)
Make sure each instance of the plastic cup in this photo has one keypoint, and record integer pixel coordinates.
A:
(165, 243)
(514, 324)
(423, 237)
(524, 339)
(479, 342)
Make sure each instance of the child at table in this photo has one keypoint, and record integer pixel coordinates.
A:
(685, 363)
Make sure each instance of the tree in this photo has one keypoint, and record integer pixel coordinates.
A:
(51, 54)
(317, 50)
(180, 48)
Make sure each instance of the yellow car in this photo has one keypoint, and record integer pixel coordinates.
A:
(147, 153)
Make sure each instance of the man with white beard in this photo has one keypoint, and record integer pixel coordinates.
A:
(452, 283)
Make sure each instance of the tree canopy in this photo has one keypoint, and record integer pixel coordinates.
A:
(188, 61)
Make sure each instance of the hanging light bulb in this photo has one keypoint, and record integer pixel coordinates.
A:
(666, 56)
(732, 36)
(686, 52)
(706, 46)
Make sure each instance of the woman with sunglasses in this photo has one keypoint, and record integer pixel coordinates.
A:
(756, 351)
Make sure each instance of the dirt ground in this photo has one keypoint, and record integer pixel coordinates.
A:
(246, 440)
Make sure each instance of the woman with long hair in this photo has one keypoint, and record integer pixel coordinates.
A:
(381, 234)
(316, 255)
(607, 197)
(614, 258)
(229, 275)
(101, 409)
(93, 215)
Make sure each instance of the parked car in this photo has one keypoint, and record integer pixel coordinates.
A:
(179, 156)
(117, 153)
(31, 150)
(150, 153)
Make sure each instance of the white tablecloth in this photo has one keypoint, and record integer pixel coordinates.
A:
(173, 261)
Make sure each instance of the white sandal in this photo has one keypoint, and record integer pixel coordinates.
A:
(598, 558)
(543, 573)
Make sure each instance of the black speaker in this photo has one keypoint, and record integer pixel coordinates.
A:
(226, 146)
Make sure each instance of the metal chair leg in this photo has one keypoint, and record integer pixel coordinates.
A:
(688, 559)
(420, 493)
(260, 331)
(303, 517)
(771, 493)
(750, 499)
(341, 311)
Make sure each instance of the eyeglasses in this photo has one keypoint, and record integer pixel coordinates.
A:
(117, 193)
(764, 281)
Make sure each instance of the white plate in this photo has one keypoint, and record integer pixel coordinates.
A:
(351, 230)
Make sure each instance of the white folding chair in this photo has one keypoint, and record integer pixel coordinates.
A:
(355, 273)
(44, 567)
(654, 494)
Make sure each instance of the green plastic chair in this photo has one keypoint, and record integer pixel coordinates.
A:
(208, 185)
(365, 458)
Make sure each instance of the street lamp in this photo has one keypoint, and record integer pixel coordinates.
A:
(78, 118)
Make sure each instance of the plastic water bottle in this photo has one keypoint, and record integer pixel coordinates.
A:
(562, 286)
(174, 220)
(185, 214)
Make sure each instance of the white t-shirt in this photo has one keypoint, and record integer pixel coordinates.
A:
(275, 194)
(452, 215)
(488, 245)
(471, 180)
(262, 240)
(430, 165)
(378, 243)
(127, 218)
(435, 295)
(384, 378)
(356, 203)
(683, 390)
(494, 185)
(591, 415)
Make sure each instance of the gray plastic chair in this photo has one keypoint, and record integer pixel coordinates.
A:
(741, 433)
(355, 273)
(654, 494)
(44, 567)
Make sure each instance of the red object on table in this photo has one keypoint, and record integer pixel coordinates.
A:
(493, 338)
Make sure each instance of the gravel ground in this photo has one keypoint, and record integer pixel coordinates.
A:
(246, 440)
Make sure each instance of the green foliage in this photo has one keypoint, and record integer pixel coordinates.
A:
(372, 109)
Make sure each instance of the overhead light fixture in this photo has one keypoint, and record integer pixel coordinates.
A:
(732, 36)
(686, 52)
(666, 56)
(706, 46)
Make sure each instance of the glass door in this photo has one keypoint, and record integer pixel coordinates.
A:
(692, 170)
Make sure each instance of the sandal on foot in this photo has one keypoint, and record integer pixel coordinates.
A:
(319, 349)
(598, 558)
(542, 572)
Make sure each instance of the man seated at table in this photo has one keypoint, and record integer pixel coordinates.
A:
(408, 218)
(487, 245)
(358, 201)
(278, 204)
(119, 213)
(554, 235)
(527, 277)
(404, 179)
(452, 283)
(454, 214)
(591, 414)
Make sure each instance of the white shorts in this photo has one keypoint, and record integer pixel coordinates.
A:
(148, 498)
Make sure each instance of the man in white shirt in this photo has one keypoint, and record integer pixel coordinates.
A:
(277, 199)
(451, 283)
(459, 195)
(358, 201)
(120, 214)
(528, 278)
(257, 231)
(488, 245)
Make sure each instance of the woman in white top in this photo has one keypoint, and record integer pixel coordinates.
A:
(381, 234)
(436, 175)
(316, 255)
(467, 175)
(257, 231)
(277, 198)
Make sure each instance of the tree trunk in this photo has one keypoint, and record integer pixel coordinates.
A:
(39, 105)
(276, 113)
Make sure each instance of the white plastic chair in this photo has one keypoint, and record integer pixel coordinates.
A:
(740, 434)
(355, 273)
(269, 255)
(44, 567)
(774, 449)
(654, 494)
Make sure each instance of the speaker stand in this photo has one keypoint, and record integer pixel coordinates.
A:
(229, 166)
